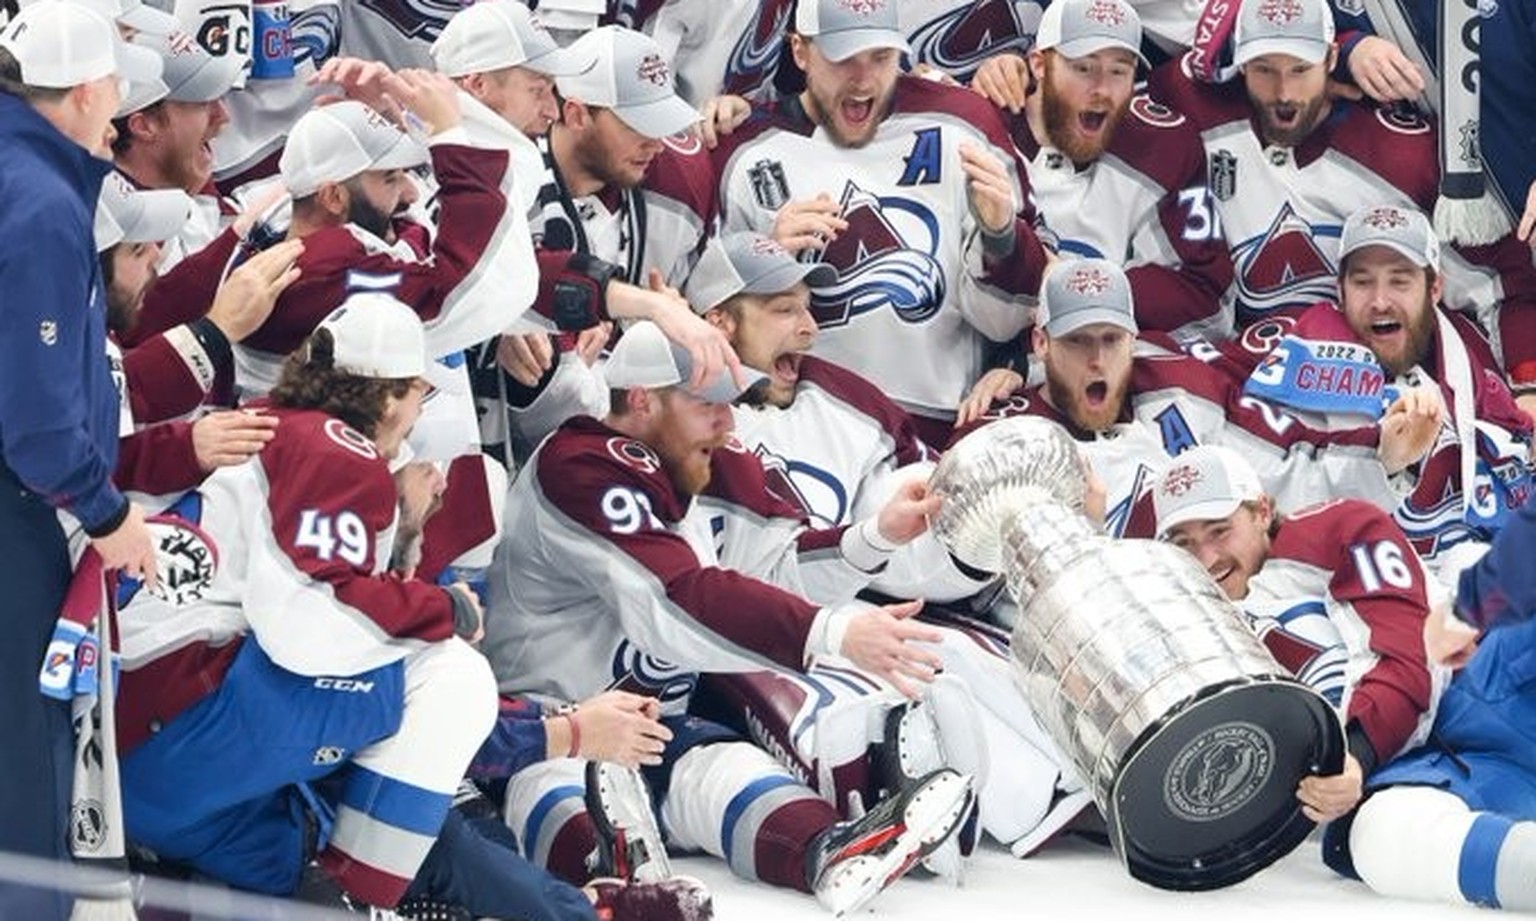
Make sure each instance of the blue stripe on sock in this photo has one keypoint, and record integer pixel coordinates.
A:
(395, 802)
(742, 801)
(541, 811)
(1477, 872)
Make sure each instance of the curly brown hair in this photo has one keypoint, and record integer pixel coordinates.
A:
(310, 381)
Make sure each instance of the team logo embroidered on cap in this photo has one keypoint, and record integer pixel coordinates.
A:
(1180, 480)
(1105, 12)
(1386, 219)
(653, 69)
(862, 7)
(179, 43)
(766, 246)
(1280, 12)
(1088, 281)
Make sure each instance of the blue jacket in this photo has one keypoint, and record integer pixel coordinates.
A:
(1501, 588)
(58, 403)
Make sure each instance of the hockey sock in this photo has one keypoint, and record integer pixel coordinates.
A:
(733, 800)
(1425, 843)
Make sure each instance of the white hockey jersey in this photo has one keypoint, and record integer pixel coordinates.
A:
(914, 301)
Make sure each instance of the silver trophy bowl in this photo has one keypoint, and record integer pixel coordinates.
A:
(1191, 737)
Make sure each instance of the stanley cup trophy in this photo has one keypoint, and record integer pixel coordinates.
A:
(1191, 737)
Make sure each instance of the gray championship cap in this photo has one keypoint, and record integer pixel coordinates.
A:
(1300, 28)
(125, 214)
(1405, 230)
(646, 358)
(843, 28)
(1081, 292)
(746, 262)
(1205, 483)
(335, 142)
(1078, 28)
(496, 34)
(630, 75)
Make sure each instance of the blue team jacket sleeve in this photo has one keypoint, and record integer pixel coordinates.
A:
(1501, 588)
(57, 402)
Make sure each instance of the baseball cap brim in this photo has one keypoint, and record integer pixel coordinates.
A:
(724, 389)
(407, 153)
(147, 19)
(213, 80)
(782, 278)
(1414, 256)
(137, 65)
(1080, 318)
(558, 62)
(659, 119)
(141, 96)
(162, 213)
(1209, 510)
(1310, 51)
(844, 44)
(1082, 47)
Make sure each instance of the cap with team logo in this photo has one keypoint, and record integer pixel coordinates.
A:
(189, 73)
(377, 336)
(843, 28)
(747, 262)
(1086, 291)
(1205, 483)
(495, 34)
(335, 142)
(1405, 230)
(60, 45)
(631, 76)
(646, 358)
(125, 214)
(1300, 28)
(1078, 28)
(135, 14)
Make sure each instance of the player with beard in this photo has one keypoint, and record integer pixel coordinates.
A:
(625, 203)
(1390, 286)
(1289, 163)
(605, 579)
(1114, 174)
(1133, 405)
(909, 189)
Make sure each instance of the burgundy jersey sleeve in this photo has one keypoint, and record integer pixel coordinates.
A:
(185, 292)
(612, 488)
(332, 503)
(158, 460)
(1376, 573)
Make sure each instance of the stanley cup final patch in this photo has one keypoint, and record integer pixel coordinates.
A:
(1223, 175)
(769, 186)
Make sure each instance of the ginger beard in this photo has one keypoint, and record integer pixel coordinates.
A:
(1082, 134)
(685, 439)
(1400, 339)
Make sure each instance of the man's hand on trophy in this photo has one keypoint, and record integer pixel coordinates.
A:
(884, 640)
(906, 514)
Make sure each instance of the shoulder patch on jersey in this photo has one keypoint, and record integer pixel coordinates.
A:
(686, 143)
(1155, 113)
(734, 445)
(351, 439)
(1402, 121)
(1261, 336)
(634, 454)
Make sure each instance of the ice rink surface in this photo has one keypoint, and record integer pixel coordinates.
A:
(1072, 878)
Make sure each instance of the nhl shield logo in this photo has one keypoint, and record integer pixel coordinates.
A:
(1223, 175)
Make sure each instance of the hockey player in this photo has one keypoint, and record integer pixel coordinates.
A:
(908, 189)
(359, 679)
(1455, 819)
(1115, 175)
(1335, 592)
(1135, 404)
(1289, 163)
(1389, 332)
(602, 561)
(624, 206)
(502, 56)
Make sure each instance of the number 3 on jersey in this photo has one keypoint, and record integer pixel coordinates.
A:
(1201, 221)
(343, 534)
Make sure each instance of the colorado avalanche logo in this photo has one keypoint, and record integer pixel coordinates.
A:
(422, 19)
(1284, 267)
(958, 41)
(639, 673)
(634, 454)
(1280, 12)
(654, 70)
(877, 265)
(1105, 12)
(756, 54)
(1180, 480)
(1385, 218)
(816, 492)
